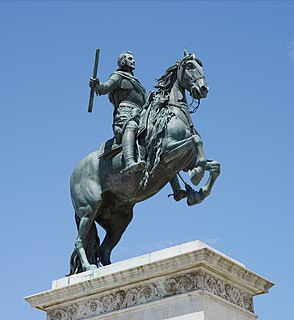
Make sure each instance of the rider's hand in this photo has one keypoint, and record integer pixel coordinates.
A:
(151, 96)
(94, 83)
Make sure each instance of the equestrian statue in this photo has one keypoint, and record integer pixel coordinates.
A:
(154, 139)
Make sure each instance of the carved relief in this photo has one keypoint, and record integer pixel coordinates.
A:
(228, 292)
(153, 291)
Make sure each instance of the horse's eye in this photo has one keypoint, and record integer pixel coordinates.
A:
(190, 65)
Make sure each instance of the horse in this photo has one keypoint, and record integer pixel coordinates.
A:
(169, 143)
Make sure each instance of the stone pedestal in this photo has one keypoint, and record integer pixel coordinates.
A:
(189, 281)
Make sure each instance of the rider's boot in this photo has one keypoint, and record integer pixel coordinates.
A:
(128, 145)
(178, 192)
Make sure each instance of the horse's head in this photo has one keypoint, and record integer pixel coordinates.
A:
(191, 77)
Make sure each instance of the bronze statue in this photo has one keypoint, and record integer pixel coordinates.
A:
(154, 139)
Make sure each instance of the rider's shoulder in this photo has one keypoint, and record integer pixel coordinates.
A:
(115, 76)
(125, 79)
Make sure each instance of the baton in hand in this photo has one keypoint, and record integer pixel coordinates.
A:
(90, 106)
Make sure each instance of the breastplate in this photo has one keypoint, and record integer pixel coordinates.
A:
(128, 93)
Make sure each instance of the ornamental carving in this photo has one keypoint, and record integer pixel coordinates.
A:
(228, 292)
(160, 289)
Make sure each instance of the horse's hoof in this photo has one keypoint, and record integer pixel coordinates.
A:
(194, 197)
(213, 167)
(205, 192)
(106, 262)
(180, 194)
(91, 267)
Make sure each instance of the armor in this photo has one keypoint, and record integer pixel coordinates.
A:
(128, 96)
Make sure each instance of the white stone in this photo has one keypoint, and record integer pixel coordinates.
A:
(189, 281)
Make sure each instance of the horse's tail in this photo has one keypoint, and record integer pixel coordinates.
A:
(91, 247)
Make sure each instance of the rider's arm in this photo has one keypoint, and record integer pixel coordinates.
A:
(112, 83)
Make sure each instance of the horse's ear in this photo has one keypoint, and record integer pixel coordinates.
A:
(186, 52)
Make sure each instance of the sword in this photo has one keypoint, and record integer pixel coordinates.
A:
(90, 106)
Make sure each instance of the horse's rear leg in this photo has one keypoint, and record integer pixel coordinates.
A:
(86, 215)
(114, 226)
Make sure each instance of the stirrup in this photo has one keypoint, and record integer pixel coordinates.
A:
(134, 167)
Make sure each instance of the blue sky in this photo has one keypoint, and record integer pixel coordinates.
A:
(246, 122)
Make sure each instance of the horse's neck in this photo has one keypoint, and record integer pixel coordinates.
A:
(177, 94)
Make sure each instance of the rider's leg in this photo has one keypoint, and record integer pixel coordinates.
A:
(128, 145)
(179, 193)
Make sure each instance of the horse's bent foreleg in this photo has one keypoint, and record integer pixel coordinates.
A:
(197, 173)
(115, 226)
(214, 169)
(175, 149)
(196, 197)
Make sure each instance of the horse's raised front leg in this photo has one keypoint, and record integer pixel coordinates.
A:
(195, 197)
(176, 149)
(197, 173)
(114, 226)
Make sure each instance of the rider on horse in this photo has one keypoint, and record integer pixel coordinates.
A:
(100, 193)
(128, 97)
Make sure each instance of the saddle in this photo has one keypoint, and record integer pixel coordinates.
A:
(109, 149)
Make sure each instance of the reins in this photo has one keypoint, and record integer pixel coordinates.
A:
(193, 107)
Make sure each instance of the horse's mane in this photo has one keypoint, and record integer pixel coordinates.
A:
(159, 117)
(165, 82)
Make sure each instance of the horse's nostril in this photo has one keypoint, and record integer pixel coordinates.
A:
(204, 89)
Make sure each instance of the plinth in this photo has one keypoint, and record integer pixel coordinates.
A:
(188, 281)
